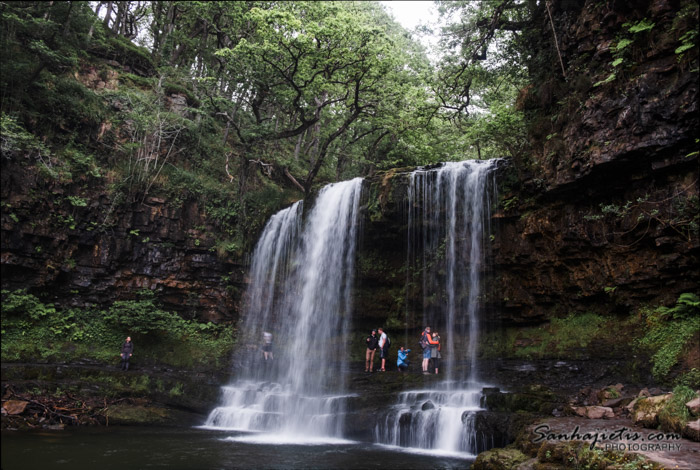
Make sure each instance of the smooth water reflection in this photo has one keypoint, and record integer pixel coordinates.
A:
(185, 448)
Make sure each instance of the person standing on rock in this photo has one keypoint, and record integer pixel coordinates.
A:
(383, 348)
(372, 343)
(435, 351)
(126, 352)
(267, 346)
(425, 344)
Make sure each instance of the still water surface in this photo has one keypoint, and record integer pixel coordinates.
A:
(193, 448)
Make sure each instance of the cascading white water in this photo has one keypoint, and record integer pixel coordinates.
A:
(448, 229)
(300, 288)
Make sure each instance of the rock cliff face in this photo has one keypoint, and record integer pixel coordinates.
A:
(94, 253)
(609, 217)
(628, 104)
(555, 253)
(561, 256)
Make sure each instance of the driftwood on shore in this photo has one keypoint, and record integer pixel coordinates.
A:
(54, 411)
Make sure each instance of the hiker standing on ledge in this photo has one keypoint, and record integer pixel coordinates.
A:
(372, 343)
(126, 353)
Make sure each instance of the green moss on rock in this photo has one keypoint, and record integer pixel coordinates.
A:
(499, 459)
(135, 414)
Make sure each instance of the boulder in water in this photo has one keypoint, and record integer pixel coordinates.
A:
(428, 405)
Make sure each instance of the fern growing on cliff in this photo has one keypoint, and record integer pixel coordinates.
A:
(670, 330)
(33, 329)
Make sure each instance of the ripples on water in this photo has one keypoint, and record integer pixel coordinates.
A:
(183, 449)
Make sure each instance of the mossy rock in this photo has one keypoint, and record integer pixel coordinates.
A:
(499, 459)
(135, 414)
(675, 415)
(559, 453)
(536, 398)
(140, 415)
(122, 50)
(646, 410)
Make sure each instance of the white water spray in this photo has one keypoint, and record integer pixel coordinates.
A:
(300, 289)
(448, 231)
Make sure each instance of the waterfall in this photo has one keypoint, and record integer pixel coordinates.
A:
(448, 234)
(300, 286)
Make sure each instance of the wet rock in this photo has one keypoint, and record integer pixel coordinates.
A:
(495, 429)
(499, 459)
(150, 415)
(694, 406)
(630, 406)
(558, 412)
(590, 396)
(610, 392)
(162, 257)
(428, 405)
(594, 412)
(55, 427)
(692, 430)
(534, 398)
(646, 410)
(614, 402)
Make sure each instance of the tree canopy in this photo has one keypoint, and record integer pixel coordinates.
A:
(296, 93)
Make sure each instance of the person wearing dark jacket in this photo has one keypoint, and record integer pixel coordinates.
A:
(372, 344)
(126, 352)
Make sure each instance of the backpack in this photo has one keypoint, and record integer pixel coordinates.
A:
(387, 343)
(423, 342)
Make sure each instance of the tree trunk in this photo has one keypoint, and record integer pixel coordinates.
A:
(48, 10)
(92, 26)
(297, 148)
(124, 7)
(294, 180)
(66, 25)
(108, 15)
(324, 149)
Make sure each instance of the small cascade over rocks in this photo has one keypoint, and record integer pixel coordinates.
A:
(448, 235)
(440, 420)
(301, 281)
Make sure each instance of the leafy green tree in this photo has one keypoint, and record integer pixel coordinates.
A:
(38, 37)
(482, 68)
(311, 69)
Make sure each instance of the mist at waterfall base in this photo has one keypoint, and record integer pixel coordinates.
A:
(300, 291)
(448, 212)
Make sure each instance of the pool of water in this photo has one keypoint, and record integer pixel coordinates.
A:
(195, 448)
